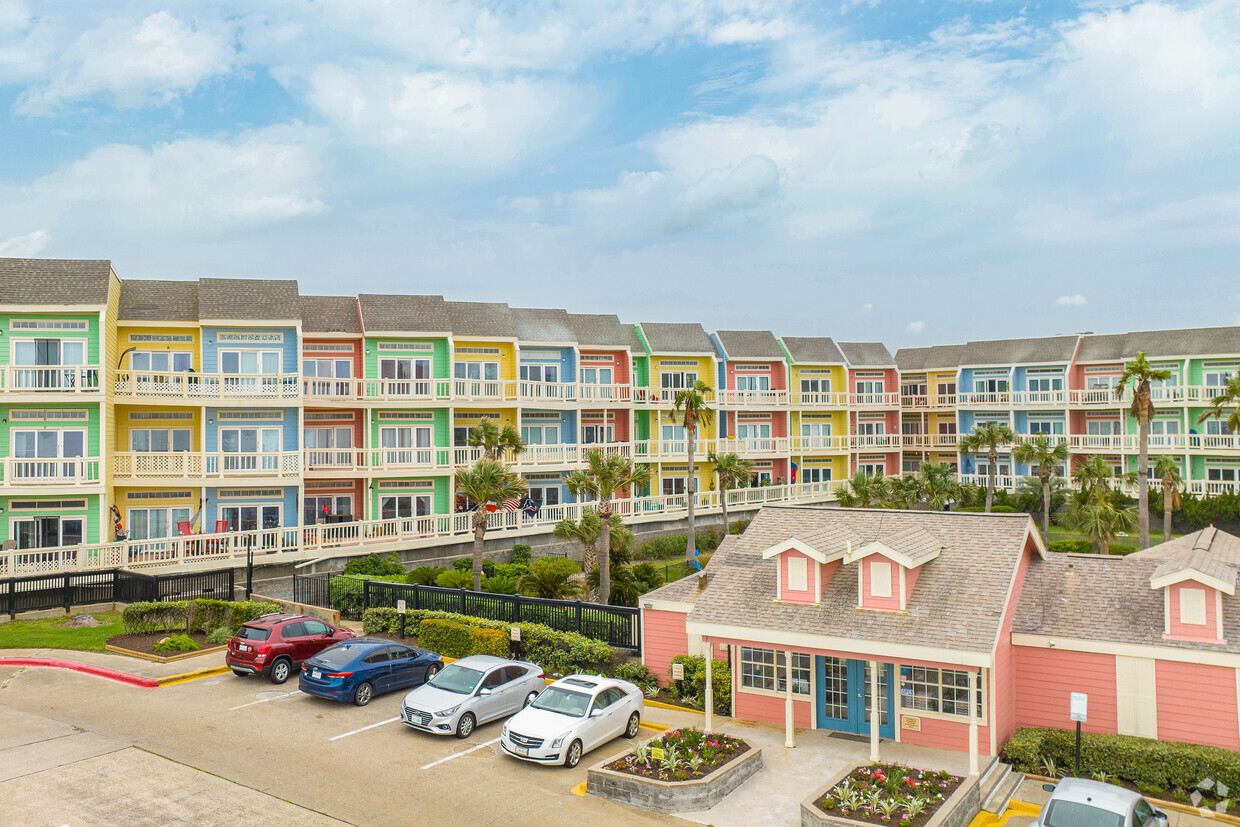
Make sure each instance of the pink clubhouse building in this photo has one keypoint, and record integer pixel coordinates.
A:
(819, 610)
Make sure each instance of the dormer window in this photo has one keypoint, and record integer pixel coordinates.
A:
(888, 568)
(803, 571)
(1193, 589)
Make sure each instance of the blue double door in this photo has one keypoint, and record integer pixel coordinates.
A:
(844, 699)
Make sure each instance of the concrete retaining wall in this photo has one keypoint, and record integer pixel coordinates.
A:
(669, 796)
(331, 616)
(957, 811)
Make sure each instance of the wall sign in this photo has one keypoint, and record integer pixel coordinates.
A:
(249, 337)
(910, 723)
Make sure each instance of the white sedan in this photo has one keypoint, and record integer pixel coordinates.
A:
(571, 717)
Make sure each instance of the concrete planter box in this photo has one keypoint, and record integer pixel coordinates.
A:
(672, 796)
(958, 811)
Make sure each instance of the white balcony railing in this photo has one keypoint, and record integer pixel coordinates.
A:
(604, 394)
(1039, 399)
(928, 401)
(549, 393)
(929, 442)
(754, 445)
(871, 442)
(664, 397)
(815, 444)
(752, 399)
(984, 400)
(206, 386)
(531, 456)
(51, 379)
(181, 465)
(404, 390)
(474, 390)
(19, 471)
(803, 399)
(874, 400)
(648, 449)
(1213, 488)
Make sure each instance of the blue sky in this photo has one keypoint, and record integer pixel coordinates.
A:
(918, 173)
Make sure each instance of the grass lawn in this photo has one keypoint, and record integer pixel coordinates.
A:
(1131, 541)
(49, 634)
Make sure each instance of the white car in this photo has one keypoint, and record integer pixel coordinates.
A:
(469, 693)
(1079, 802)
(571, 717)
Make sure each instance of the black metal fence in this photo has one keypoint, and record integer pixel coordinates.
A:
(312, 589)
(64, 591)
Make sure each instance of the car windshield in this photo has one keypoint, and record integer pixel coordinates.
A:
(457, 679)
(555, 699)
(253, 633)
(337, 655)
(1075, 814)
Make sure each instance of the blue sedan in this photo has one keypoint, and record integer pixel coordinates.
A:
(357, 670)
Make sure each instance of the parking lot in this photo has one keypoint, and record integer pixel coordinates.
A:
(249, 751)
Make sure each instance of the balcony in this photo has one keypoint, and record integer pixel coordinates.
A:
(604, 395)
(874, 442)
(50, 379)
(1039, 399)
(802, 399)
(184, 467)
(664, 397)
(929, 442)
(198, 388)
(21, 472)
(928, 402)
(534, 456)
(754, 446)
(992, 399)
(404, 390)
(819, 444)
(476, 390)
(752, 399)
(1213, 488)
(874, 400)
(546, 393)
(671, 449)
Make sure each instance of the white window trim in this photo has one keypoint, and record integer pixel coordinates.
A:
(774, 693)
(901, 710)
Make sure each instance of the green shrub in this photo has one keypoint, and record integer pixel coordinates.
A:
(637, 673)
(345, 594)
(738, 527)
(176, 643)
(467, 564)
(199, 615)
(693, 690)
(455, 579)
(148, 618)
(1070, 546)
(372, 565)
(511, 569)
(520, 554)
(500, 584)
(426, 575)
(1163, 764)
(551, 578)
(459, 640)
(220, 636)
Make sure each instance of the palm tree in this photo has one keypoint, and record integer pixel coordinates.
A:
(936, 485)
(732, 471)
(1228, 398)
(864, 491)
(691, 404)
(486, 481)
(1167, 469)
(1139, 373)
(1092, 476)
(585, 531)
(1098, 520)
(494, 441)
(1040, 453)
(550, 578)
(605, 475)
(990, 437)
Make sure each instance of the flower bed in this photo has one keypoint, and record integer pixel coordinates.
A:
(687, 754)
(889, 794)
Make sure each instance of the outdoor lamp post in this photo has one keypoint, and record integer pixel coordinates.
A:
(710, 694)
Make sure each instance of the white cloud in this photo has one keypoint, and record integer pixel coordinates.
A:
(866, 308)
(743, 30)
(1075, 300)
(915, 327)
(24, 246)
(152, 62)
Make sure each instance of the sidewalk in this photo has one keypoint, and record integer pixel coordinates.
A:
(120, 663)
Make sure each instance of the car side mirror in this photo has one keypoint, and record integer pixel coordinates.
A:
(1161, 818)
(596, 713)
(1050, 788)
(486, 690)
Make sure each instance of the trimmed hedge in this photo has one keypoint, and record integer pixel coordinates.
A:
(459, 640)
(556, 651)
(694, 689)
(1161, 764)
(1070, 546)
(374, 566)
(199, 615)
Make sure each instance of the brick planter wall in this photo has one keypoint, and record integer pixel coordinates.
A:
(672, 796)
(958, 811)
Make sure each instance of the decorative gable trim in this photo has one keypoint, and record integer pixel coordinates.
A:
(793, 544)
(877, 547)
(1190, 573)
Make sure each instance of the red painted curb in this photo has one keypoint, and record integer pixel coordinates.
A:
(97, 671)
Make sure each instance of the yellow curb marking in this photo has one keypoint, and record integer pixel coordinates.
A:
(658, 727)
(662, 705)
(1015, 808)
(185, 677)
(580, 789)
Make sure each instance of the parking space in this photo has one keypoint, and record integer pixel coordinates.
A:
(356, 764)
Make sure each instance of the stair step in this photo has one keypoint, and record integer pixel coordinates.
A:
(992, 775)
(1001, 795)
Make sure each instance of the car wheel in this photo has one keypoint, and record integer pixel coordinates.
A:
(573, 757)
(363, 694)
(465, 726)
(431, 671)
(529, 699)
(280, 670)
(635, 721)
(240, 673)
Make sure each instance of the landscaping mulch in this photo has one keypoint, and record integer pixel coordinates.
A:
(145, 643)
(729, 750)
(863, 779)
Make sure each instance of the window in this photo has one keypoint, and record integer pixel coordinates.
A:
(540, 434)
(1103, 427)
(913, 388)
(947, 388)
(47, 532)
(798, 574)
(1002, 469)
(753, 383)
(316, 627)
(871, 469)
(161, 361)
(478, 371)
(757, 431)
(1217, 378)
(545, 494)
(540, 373)
(760, 478)
(1216, 427)
(460, 437)
(596, 376)
(1050, 427)
(871, 428)
(159, 439)
(155, 523)
(328, 505)
(404, 506)
(405, 444)
(242, 446)
(1045, 384)
(48, 444)
(250, 362)
(1097, 383)
(815, 429)
(816, 385)
(809, 475)
(1164, 427)
(990, 385)
(325, 370)
(766, 669)
(49, 352)
(673, 486)
(947, 428)
(870, 386)
(1217, 474)
(880, 578)
(328, 446)
(592, 434)
(293, 630)
(937, 690)
(248, 517)
(404, 373)
(675, 380)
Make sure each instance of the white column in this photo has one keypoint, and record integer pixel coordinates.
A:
(790, 739)
(875, 716)
(710, 694)
(973, 687)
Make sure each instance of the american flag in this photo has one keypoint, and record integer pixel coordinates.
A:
(512, 504)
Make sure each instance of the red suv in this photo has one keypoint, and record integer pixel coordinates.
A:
(276, 644)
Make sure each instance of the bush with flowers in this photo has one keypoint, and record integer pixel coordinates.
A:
(890, 794)
(680, 755)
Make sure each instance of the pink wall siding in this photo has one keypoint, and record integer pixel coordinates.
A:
(1185, 630)
(1044, 679)
(1003, 710)
(309, 351)
(910, 580)
(776, 370)
(828, 571)
(805, 595)
(665, 639)
(868, 600)
(619, 422)
(936, 732)
(770, 708)
(1196, 703)
(619, 364)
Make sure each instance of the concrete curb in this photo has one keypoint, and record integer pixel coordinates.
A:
(210, 671)
(662, 705)
(86, 669)
(130, 653)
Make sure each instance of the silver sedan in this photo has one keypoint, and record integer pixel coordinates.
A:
(472, 691)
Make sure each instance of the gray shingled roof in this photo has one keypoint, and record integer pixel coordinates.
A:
(383, 313)
(543, 325)
(937, 357)
(159, 301)
(249, 299)
(957, 603)
(688, 589)
(330, 314)
(915, 543)
(1218, 544)
(749, 344)
(1161, 344)
(867, 355)
(603, 330)
(491, 319)
(667, 337)
(1199, 561)
(813, 350)
(1020, 351)
(54, 281)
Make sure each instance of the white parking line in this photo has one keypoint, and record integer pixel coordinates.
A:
(265, 700)
(459, 754)
(363, 729)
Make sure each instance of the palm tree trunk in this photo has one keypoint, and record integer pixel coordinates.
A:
(690, 490)
(480, 531)
(604, 552)
(1046, 509)
(1166, 513)
(723, 503)
(1106, 546)
(1143, 473)
(992, 459)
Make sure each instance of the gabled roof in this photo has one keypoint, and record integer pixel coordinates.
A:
(603, 330)
(383, 313)
(749, 344)
(912, 547)
(538, 325)
(1219, 545)
(158, 301)
(1223, 341)
(938, 357)
(688, 589)
(330, 314)
(665, 337)
(54, 281)
(812, 350)
(248, 299)
(1020, 351)
(867, 355)
(1198, 566)
(489, 319)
